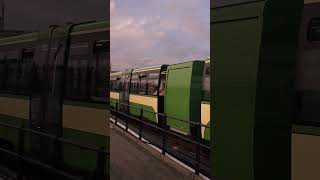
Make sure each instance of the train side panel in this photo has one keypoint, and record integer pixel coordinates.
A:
(114, 97)
(148, 103)
(182, 96)
(305, 139)
(79, 126)
(205, 119)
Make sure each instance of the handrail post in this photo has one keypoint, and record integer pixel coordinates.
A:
(116, 114)
(57, 157)
(21, 140)
(198, 138)
(141, 124)
(20, 151)
(126, 119)
(164, 141)
(101, 164)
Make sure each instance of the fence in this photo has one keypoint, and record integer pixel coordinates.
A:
(196, 141)
(101, 154)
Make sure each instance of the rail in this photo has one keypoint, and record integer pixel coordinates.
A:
(101, 154)
(164, 131)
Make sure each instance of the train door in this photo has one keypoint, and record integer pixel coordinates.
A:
(45, 99)
(161, 95)
(124, 91)
(205, 101)
(183, 90)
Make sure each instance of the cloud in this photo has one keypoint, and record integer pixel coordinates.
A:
(158, 32)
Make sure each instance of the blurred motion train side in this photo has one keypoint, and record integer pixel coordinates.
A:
(55, 83)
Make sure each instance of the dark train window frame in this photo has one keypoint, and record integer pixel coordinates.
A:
(114, 81)
(163, 81)
(118, 84)
(99, 47)
(12, 61)
(74, 77)
(27, 57)
(143, 87)
(125, 82)
(311, 36)
(134, 84)
(154, 83)
(205, 93)
(2, 70)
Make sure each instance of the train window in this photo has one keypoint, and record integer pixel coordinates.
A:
(101, 67)
(25, 69)
(12, 71)
(114, 85)
(28, 54)
(208, 71)
(143, 86)
(12, 55)
(134, 87)
(76, 87)
(118, 84)
(79, 49)
(2, 56)
(314, 30)
(2, 70)
(206, 85)
(124, 85)
(113, 82)
(101, 46)
(153, 87)
(153, 83)
(162, 87)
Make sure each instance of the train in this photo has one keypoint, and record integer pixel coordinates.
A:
(55, 82)
(266, 97)
(180, 91)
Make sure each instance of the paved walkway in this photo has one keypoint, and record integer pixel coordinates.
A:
(133, 160)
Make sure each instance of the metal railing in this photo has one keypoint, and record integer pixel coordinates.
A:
(195, 141)
(101, 154)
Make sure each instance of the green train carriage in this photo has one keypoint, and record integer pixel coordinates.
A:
(179, 91)
(56, 83)
(266, 89)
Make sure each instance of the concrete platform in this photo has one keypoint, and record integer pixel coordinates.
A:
(131, 159)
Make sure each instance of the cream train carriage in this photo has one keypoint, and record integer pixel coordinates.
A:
(178, 90)
(55, 83)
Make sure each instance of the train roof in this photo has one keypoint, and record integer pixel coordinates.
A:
(207, 60)
(80, 29)
(190, 61)
(311, 1)
(150, 68)
(91, 27)
(115, 73)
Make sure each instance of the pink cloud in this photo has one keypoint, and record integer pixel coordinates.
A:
(143, 40)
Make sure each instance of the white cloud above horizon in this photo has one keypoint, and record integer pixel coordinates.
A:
(155, 32)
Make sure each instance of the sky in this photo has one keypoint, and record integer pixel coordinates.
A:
(153, 32)
(32, 15)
